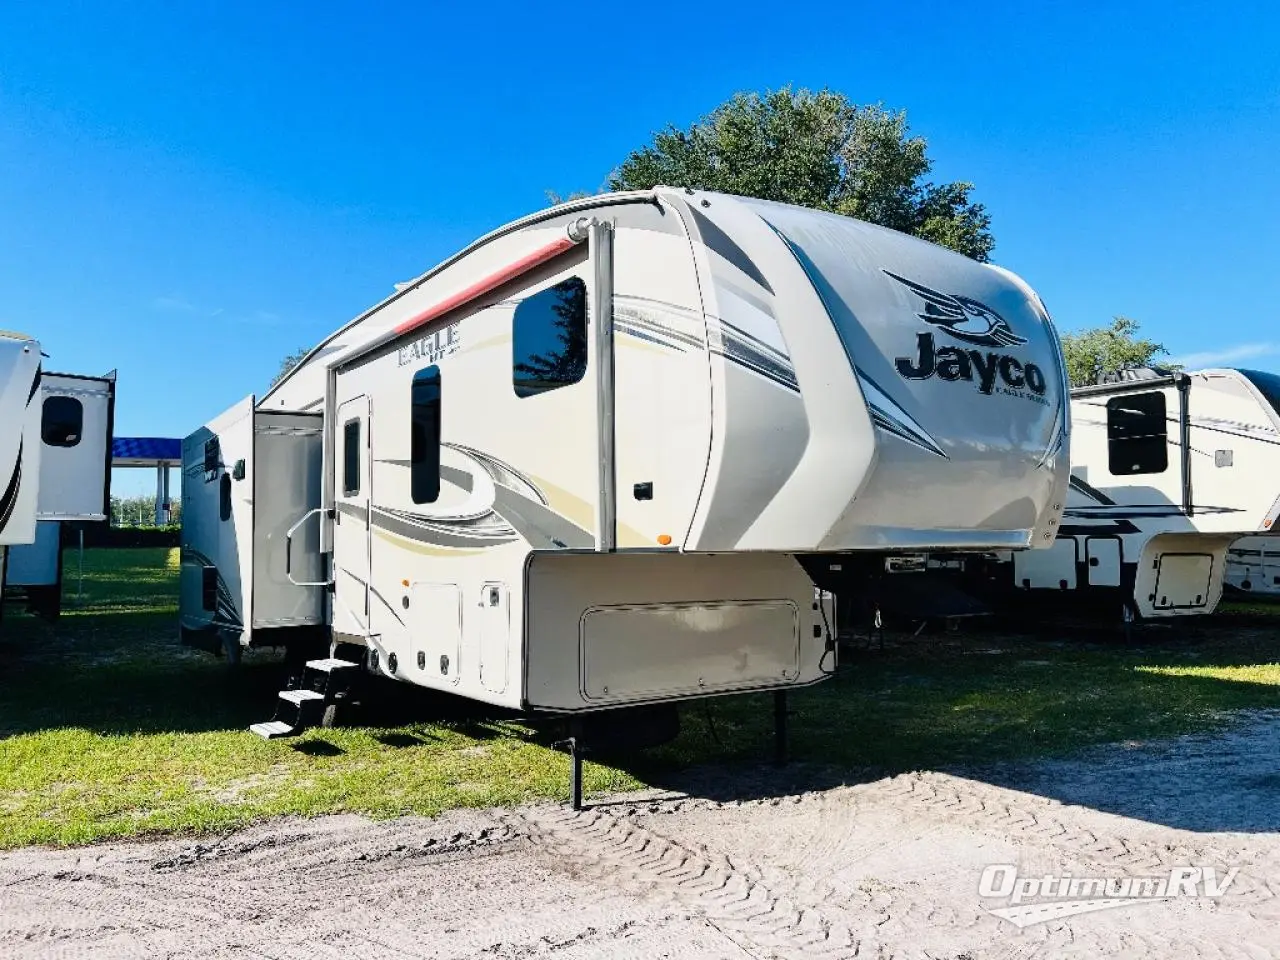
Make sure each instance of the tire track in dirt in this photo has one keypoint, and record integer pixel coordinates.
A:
(1041, 821)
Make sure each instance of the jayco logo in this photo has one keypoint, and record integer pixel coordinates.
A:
(969, 321)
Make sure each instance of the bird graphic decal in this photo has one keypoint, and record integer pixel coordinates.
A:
(963, 318)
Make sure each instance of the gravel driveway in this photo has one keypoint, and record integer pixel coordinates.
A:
(769, 864)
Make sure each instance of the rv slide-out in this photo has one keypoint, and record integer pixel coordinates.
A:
(55, 463)
(600, 457)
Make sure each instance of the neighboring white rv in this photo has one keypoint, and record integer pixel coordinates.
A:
(600, 457)
(1167, 470)
(55, 449)
(1253, 566)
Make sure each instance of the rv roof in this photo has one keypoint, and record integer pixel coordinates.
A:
(585, 203)
(14, 335)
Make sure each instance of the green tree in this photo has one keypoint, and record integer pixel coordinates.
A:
(816, 150)
(288, 363)
(1091, 353)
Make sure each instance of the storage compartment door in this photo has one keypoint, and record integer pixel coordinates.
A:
(435, 622)
(657, 651)
(1104, 561)
(1051, 569)
(1182, 580)
(495, 636)
(75, 447)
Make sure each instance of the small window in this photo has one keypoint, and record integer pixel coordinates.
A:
(351, 458)
(1137, 434)
(211, 455)
(224, 497)
(62, 421)
(424, 444)
(549, 338)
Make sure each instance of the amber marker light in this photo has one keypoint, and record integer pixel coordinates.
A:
(664, 538)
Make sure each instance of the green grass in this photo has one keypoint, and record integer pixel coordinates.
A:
(109, 728)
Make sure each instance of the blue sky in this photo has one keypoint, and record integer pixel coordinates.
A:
(190, 191)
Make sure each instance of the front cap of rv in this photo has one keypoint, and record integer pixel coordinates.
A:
(961, 436)
(19, 436)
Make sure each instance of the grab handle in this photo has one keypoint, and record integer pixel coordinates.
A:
(288, 552)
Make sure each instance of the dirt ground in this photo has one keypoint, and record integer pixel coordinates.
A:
(771, 864)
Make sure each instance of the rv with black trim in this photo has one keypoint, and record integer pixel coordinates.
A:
(1253, 567)
(1167, 471)
(599, 458)
(55, 462)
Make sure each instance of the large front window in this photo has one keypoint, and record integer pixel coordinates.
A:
(1268, 385)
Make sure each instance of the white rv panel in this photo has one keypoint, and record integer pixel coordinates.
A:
(437, 612)
(216, 577)
(495, 637)
(35, 564)
(1103, 558)
(1050, 569)
(628, 651)
(75, 432)
(20, 445)
(1253, 565)
(285, 480)
(1183, 580)
(736, 621)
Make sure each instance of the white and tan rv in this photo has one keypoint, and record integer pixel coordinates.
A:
(1253, 567)
(1167, 470)
(600, 457)
(55, 448)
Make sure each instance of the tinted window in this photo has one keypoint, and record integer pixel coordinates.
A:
(549, 338)
(211, 455)
(224, 497)
(1137, 434)
(351, 458)
(424, 444)
(62, 421)
(1268, 385)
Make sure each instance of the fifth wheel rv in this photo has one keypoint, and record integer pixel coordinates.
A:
(599, 458)
(1167, 470)
(55, 453)
(1253, 566)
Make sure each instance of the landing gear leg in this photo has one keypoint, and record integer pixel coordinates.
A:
(780, 715)
(574, 743)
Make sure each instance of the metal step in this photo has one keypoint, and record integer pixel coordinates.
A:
(324, 683)
(272, 729)
(298, 696)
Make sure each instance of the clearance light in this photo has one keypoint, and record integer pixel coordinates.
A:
(664, 538)
(404, 583)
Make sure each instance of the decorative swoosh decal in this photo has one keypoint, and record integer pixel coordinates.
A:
(10, 497)
(519, 511)
(225, 612)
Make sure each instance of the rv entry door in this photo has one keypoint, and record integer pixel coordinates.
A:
(351, 519)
